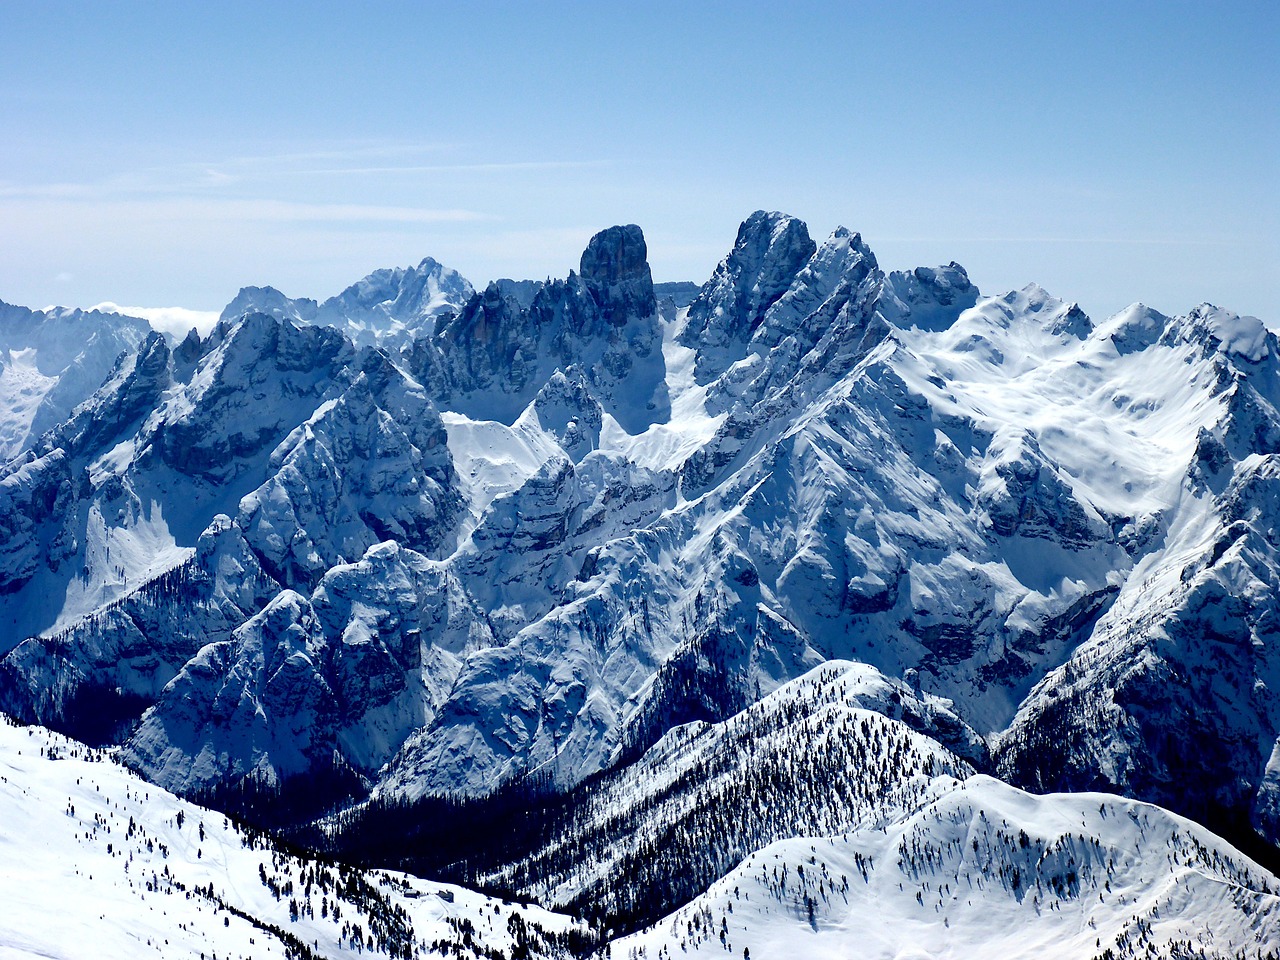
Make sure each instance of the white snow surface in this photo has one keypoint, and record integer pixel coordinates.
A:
(97, 862)
(51, 360)
(22, 389)
(120, 559)
(494, 459)
(665, 446)
(839, 716)
(1122, 422)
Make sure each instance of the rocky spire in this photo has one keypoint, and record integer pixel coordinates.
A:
(771, 248)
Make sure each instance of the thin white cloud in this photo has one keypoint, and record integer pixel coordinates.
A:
(50, 191)
(351, 152)
(217, 172)
(498, 167)
(216, 178)
(1198, 241)
(221, 209)
(284, 211)
(176, 321)
(197, 179)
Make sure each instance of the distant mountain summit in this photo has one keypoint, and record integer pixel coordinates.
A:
(388, 308)
(50, 361)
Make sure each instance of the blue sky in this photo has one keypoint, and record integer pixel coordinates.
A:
(166, 154)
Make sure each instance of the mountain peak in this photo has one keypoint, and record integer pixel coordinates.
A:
(616, 254)
(771, 248)
(777, 225)
(1243, 336)
(270, 301)
(615, 267)
(386, 308)
(494, 355)
(548, 547)
(1134, 328)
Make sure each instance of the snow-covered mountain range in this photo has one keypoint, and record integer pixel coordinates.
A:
(421, 542)
(98, 862)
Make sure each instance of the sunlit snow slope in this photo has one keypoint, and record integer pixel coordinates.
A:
(96, 862)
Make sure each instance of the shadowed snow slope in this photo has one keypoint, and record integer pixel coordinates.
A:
(52, 360)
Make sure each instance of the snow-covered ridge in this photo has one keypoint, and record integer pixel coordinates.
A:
(389, 308)
(50, 361)
(970, 867)
(707, 794)
(986, 870)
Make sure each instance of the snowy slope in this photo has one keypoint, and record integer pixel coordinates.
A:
(968, 868)
(654, 833)
(190, 490)
(985, 870)
(99, 862)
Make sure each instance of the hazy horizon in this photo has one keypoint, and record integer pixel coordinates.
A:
(165, 157)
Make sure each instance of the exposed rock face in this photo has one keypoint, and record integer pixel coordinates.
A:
(257, 359)
(681, 293)
(133, 390)
(565, 407)
(929, 297)
(319, 452)
(1023, 493)
(1196, 624)
(272, 302)
(769, 251)
(389, 308)
(352, 476)
(317, 687)
(492, 359)
(615, 267)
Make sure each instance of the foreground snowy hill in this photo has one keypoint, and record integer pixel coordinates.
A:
(904, 857)
(626, 846)
(985, 870)
(100, 863)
